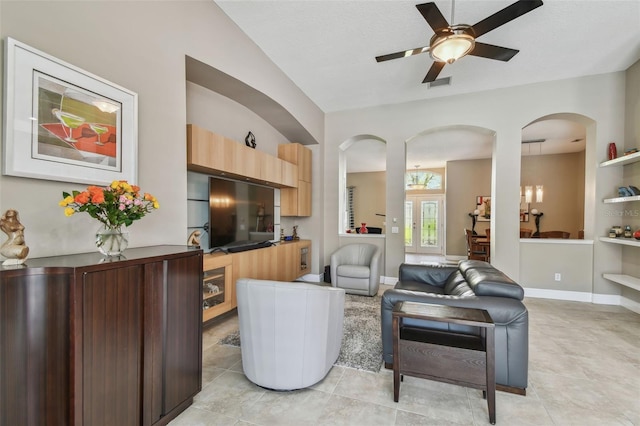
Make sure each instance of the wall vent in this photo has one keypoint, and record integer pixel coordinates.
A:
(440, 82)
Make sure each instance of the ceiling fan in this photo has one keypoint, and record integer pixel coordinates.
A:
(452, 42)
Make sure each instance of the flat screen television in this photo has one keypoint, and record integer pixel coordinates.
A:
(239, 211)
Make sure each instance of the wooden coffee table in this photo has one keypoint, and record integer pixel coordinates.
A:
(445, 356)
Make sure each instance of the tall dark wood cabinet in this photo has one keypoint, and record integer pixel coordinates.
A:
(84, 341)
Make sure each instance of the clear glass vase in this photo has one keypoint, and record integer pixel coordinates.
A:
(112, 241)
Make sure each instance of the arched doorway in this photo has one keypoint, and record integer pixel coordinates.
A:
(460, 157)
(362, 184)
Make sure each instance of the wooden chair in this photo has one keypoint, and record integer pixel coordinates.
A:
(474, 250)
(488, 232)
(525, 233)
(555, 234)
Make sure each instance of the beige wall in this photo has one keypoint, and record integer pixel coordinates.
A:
(369, 197)
(147, 55)
(143, 49)
(563, 178)
(465, 180)
(541, 260)
(563, 204)
(597, 101)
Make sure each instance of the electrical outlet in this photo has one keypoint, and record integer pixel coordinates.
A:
(558, 276)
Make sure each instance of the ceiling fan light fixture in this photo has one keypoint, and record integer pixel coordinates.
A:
(451, 44)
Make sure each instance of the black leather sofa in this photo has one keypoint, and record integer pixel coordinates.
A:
(472, 284)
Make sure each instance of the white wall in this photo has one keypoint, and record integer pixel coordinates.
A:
(141, 46)
(505, 111)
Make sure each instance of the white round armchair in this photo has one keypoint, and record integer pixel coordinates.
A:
(356, 268)
(290, 332)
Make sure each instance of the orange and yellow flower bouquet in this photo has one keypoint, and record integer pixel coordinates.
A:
(115, 205)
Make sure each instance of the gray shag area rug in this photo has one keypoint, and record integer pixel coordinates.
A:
(361, 343)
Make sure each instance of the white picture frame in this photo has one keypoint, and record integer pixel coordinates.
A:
(63, 123)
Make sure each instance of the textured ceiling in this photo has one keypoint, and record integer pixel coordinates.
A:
(328, 49)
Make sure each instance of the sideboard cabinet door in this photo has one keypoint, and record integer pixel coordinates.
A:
(34, 346)
(183, 337)
(112, 345)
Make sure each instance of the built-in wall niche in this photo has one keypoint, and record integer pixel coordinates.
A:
(363, 181)
(552, 174)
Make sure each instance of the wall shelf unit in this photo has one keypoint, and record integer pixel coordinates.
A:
(625, 280)
(621, 199)
(624, 241)
(621, 161)
(622, 279)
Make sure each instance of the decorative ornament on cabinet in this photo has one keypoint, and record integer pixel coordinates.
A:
(250, 140)
(14, 249)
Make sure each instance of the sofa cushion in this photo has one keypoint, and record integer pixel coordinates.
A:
(492, 282)
(457, 286)
(353, 271)
(465, 265)
(411, 285)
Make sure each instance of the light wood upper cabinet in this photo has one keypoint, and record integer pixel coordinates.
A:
(297, 201)
(210, 153)
(289, 174)
(297, 154)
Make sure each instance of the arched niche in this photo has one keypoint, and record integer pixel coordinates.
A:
(362, 163)
(463, 153)
(553, 174)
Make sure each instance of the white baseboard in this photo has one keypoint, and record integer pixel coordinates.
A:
(632, 305)
(388, 280)
(576, 296)
(607, 299)
(579, 296)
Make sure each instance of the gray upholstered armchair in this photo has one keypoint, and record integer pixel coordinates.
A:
(356, 269)
(290, 333)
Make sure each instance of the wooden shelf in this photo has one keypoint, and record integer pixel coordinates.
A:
(624, 241)
(207, 295)
(213, 277)
(625, 280)
(622, 160)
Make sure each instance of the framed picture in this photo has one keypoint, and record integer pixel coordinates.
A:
(524, 210)
(63, 123)
(483, 204)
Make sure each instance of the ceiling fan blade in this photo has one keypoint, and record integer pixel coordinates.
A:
(505, 15)
(433, 16)
(434, 71)
(493, 52)
(402, 54)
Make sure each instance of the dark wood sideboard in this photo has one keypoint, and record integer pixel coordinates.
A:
(91, 341)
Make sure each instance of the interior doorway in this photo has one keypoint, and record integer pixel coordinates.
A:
(424, 227)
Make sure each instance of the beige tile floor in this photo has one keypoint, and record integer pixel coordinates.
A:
(584, 369)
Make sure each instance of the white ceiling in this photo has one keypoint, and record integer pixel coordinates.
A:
(328, 49)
